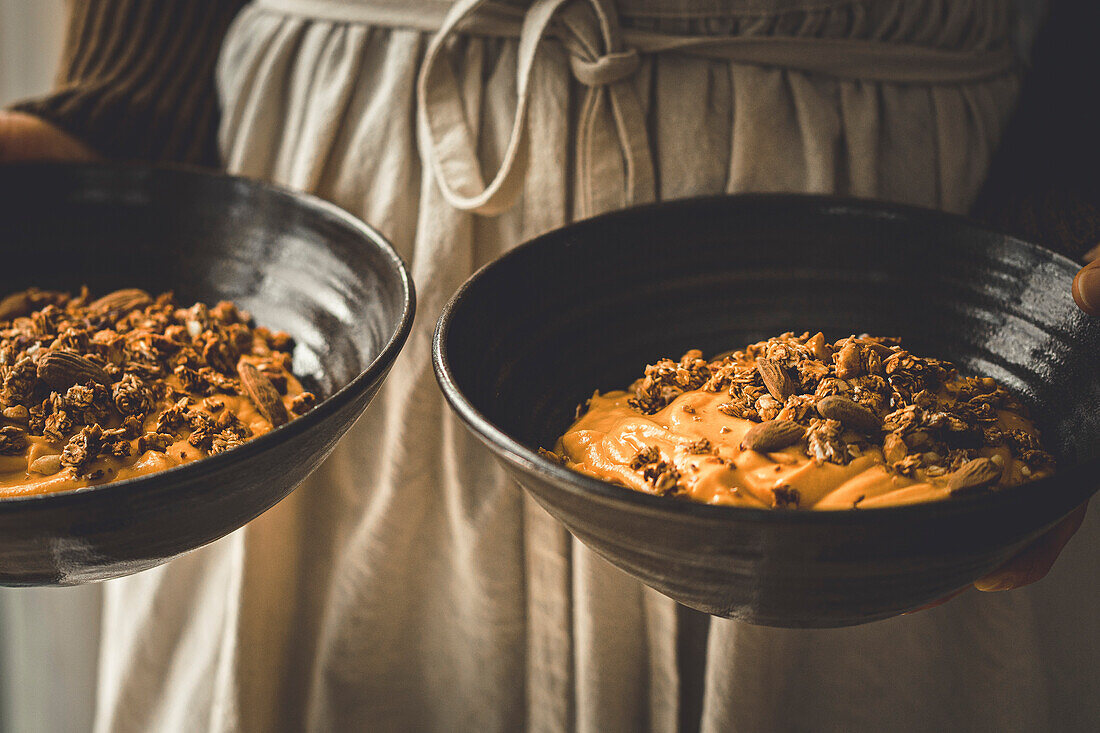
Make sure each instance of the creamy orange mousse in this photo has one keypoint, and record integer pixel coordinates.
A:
(796, 422)
(101, 390)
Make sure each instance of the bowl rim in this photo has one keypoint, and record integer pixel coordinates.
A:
(286, 432)
(580, 484)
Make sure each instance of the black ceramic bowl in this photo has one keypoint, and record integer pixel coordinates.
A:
(588, 306)
(297, 263)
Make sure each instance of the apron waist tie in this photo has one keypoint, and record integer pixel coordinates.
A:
(611, 134)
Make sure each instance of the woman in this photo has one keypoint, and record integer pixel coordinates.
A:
(408, 585)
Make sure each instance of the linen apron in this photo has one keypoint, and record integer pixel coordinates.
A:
(408, 585)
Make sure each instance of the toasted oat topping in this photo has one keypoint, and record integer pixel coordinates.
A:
(129, 373)
(842, 392)
(881, 425)
(666, 380)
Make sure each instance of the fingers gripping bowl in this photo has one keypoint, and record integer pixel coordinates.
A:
(587, 306)
(297, 264)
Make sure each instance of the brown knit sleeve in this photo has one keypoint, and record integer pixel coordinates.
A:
(137, 78)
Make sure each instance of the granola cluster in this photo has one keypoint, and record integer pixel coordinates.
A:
(833, 403)
(851, 396)
(128, 373)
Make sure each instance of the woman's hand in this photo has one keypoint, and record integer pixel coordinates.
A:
(1037, 559)
(1034, 562)
(1086, 286)
(1030, 565)
(24, 137)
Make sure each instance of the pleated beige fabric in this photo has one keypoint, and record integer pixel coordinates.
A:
(408, 585)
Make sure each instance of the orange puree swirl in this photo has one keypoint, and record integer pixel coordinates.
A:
(93, 391)
(899, 429)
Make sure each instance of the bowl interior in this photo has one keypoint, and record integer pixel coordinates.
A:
(589, 306)
(297, 263)
(302, 269)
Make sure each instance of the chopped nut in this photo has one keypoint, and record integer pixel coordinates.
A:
(118, 448)
(304, 402)
(820, 347)
(784, 497)
(69, 364)
(159, 442)
(644, 457)
(831, 399)
(894, 448)
(700, 447)
(825, 443)
(551, 456)
(13, 441)
(223, 441)
(849, 361)
(665, 478)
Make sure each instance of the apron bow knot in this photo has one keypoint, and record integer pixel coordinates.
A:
(606, 69)
(610, 112)
(612, 142)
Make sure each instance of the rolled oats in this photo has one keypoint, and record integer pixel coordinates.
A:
(126, 374)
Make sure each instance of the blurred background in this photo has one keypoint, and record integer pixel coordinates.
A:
(31, 32)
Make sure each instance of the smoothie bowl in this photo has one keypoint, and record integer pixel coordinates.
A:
(981, 317)
(179, 351)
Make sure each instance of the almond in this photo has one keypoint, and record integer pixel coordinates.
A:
(850, 413)
(13, 440)
(62, 369)
(121, 301)
(46, 465)
(775, 378)
(25, 302)
(974, 475)
(263, 394)
(15, 306)
(772, 435)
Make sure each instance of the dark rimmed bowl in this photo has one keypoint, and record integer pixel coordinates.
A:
(532, 334)
(297, 263)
